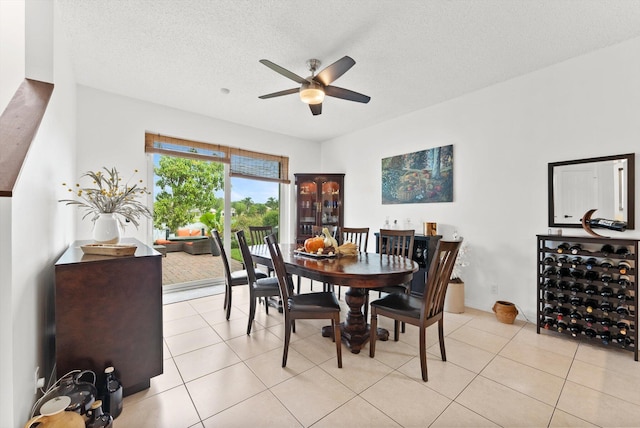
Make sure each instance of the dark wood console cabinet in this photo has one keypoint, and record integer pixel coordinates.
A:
(108, 312)
(423, 250)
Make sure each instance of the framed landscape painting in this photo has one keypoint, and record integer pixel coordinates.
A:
(418, 177)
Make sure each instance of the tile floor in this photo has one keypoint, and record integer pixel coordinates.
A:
(496, 375)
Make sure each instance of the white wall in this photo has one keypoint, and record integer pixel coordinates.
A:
(30, 235)
(111, 132)
(504, 136)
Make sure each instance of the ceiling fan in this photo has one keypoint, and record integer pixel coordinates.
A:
(314, 88)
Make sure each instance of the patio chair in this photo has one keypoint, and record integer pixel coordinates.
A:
(231, 279)
(420, 311)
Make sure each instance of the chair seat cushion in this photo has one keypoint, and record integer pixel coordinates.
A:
(270, 283)
(314, 302)
(400, 303)
(239, 277)
(393, 288)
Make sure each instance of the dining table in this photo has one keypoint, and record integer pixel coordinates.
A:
(358, 272)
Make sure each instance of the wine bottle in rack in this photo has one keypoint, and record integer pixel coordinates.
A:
(622, 295)
(574, 317)
(606, 291)
(577, 273)
(589, 332)
(606, 263)
(623, 340)
(561, 326)
(575, 301)
(564, 271)
(623, 251)
(590, 320)
(550, 271)
(575, 329)
(605, 337)
(562, 298)
(550, 296)
(605, 307)
(590, 263)
(576, 261)
(623, 310)
(591, 275)
(550, 283)
(605, 323)
(623, 326)
(590, 305)
(563, 285)
(623, 281)
(550, 260)
(562, 260)
(562, 248)
(591, 289)
(606, 278)
(548, 309)
(575, 287)
(624, 267)
(548, 323)
(575, 248)
(607, 249)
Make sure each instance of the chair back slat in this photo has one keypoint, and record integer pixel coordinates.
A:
(396, 242)
(223, 256)
(356, 235)
(246, 256)
(258, 233)
(438, 277)
(284, 280)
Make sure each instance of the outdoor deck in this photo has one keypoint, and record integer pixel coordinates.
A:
(179, 267)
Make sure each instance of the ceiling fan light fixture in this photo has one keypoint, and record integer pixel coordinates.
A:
(311, 93)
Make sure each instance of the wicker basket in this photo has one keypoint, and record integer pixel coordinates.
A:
(506, 312)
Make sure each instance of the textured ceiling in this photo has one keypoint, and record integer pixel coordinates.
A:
(409, 54)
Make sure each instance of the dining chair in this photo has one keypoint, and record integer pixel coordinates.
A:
(392, 242)
(258, 288)
(421, 311)
(319, 305)
(257, 234)
(355, 235)
(231, 279)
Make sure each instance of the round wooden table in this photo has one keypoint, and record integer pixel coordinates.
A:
(366, 270)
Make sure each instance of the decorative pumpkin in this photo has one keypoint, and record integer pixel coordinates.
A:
(312, 245)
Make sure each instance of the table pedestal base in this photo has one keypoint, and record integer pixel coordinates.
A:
(355, 331)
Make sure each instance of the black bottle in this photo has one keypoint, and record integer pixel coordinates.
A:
(590, 319)
(606, 292)
(575, 316)
(97, 418)
(620, 226)
(606, 264)
(563, 248)
(623, 281)
(605, 336)
(577, 273)
(575, 287)
(575, 301)
(561, 326)
(623, 310)
(564, 271)
(550, 271)
(547, 323)
(548, 309)
(562, 260)
(591, 275)
(621, 294)
(550, 284)
(622, 251)
(606, 278)
(591, 289)
(623, 326)
(607, 249)
(550, 260)
(549, 296)
(112, 393)
(605, 323)
(589, 332)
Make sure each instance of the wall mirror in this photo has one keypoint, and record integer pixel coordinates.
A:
(603, 183)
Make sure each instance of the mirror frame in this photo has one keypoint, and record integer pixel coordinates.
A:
(630, 158)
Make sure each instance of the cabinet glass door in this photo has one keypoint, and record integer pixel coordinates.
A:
(307, 207)
(331, 203)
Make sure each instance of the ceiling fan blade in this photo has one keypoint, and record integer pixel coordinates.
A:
(335, 70)
(283, 71)
(280, 93)
(346, 94)
(316, 109)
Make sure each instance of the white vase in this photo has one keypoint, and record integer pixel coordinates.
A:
(106, 229)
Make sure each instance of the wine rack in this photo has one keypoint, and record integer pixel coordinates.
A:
(587, 289)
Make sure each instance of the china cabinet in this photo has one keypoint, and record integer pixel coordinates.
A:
(320, 202)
